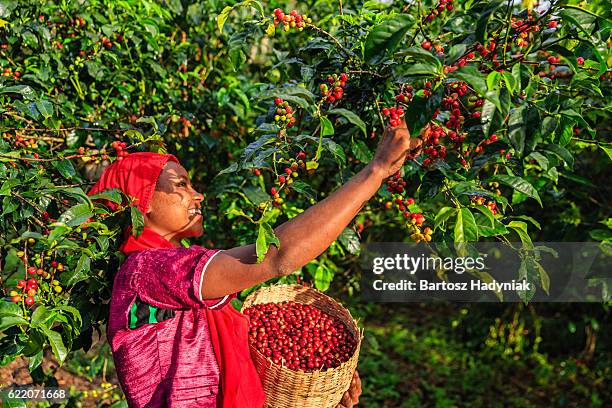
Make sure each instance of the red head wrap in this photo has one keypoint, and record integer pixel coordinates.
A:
(136, 175)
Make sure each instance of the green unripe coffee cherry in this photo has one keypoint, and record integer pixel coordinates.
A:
(57, 289)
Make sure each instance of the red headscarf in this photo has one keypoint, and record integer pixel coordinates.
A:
(136, 175)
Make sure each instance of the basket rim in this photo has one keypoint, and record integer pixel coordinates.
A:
(359, 331)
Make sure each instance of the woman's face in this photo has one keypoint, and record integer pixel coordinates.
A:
(175, 208)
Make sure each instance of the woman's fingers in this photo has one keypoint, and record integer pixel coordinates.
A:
(346, 401)
(355, 388)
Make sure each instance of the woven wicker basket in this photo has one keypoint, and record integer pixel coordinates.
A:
(287, 388)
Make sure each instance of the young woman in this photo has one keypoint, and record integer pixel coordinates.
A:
(175, 339)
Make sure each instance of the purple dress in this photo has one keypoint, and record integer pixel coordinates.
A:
(170, 363)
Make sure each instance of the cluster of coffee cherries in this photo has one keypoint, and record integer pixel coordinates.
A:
(490, 204)
(522, 28)
(438, 9)
(29, 288)
(335, 90)
(283, 115)
(186, 125)
(395, 115)
(489, 140)
(287, 177)
(495, 185)
(291, 20)
(21, 142)
(119, 148)
(9, 72)
(405, 94)
(106, 42)
(299, 336)
(396, 183)
(414, 220)
(433, 149)
(552, 60)
(486, 50)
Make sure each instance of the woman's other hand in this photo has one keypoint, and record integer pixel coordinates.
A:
(351, 396)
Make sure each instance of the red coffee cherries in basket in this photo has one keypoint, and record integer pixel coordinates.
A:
(299, 336)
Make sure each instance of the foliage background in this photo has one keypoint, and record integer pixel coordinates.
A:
(163, 76)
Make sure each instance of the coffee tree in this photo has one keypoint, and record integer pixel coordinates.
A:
(284, 106)
(497, 92)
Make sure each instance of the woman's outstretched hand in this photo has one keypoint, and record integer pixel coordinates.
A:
(351, 396)
(394, 148)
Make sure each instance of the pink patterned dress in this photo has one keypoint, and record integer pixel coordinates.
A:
(158, 330)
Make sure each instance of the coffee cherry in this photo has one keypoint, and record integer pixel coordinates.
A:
(29, 301)
(273, 191)
(426, 45)
(580, 60)
(16, 299)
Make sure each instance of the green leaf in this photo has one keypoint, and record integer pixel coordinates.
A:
(487, 213)
(112, 195)
(473, 77)
(7, 321)
(41, 316)
(13, 403)
(65, 168)
(485, 230)
(327, 128)
(521, 229)
(24, 90)
(516, 127)
(540, 159)
(265, 238)
(349, 239)
(352, 118)
(80, 272)
(35, 361)
(45, 108)
(466, 229)
(519, 184)
(424, 56)
(323, 277)
(305, 189)
(488, 111)
(444, 214)
(484, 18)
(222, 17)
(582, 19)
(76, 215)
(57, 344)
(336, 150)
(383, 39)
(607, 149)
(561, 152)
(255, 195)
(361, 151)
(405, 70)
(137, 221)
(531, 220)
(525, 273)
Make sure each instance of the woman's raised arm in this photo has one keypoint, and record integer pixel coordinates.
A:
(307, 235)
